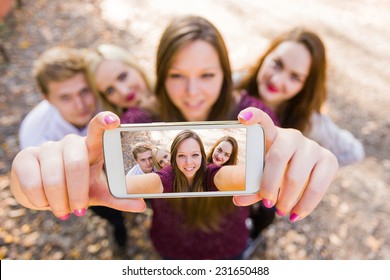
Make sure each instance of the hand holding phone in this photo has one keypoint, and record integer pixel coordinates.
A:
(206, 159)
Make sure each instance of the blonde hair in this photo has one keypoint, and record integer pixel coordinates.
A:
(57, 64)
(154, 156)
(115, 53)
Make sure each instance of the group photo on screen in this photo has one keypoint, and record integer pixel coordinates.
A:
(181, 151)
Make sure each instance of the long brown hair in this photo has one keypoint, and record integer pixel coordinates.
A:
(203, 213)
(296, 112)
(233, 159)
(181, 183)
(179, 33)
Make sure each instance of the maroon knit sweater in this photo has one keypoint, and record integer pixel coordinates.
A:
(169, 233)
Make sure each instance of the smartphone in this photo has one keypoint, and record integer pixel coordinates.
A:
(132, 152)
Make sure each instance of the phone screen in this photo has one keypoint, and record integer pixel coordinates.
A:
(181, 152)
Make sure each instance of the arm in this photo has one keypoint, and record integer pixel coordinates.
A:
(297, 171)
(67, 176)
(339, 141)
(144, 183)
(230, 178)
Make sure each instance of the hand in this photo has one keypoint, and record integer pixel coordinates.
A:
(67, 176)
(297, 171)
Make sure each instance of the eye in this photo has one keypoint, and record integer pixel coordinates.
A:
(84, 91)
(122, 76)
(277, 64)
(180, 156)
(219, 150)
(109, 90)
(297, 78)
(196, 155)
(65, 98)
(175, 76)
(208, 75)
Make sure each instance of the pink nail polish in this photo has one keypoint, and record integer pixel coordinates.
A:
(109, 119)
(267, 203)
(64, 218)
(294, 217)
(280, 213)
(246, 115)
(80, 212)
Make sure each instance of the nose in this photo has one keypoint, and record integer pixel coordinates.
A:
(79, 103)
(192, 86)
(278, 79)
(121, 88)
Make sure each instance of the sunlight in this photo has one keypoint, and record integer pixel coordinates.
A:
(116, 12)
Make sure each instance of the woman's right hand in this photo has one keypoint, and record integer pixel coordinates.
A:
(67, 176)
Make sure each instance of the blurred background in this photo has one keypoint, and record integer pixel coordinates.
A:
(350, 223)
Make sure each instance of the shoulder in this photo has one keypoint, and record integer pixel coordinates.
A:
(245, 100)
(167, 176)
(137, 115)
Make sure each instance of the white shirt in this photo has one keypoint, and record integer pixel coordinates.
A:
(339, 141)
(45, 123)
(135, 170)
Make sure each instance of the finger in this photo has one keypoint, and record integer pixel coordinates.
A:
(76, 164)
(297, 176)
(53, 178)
(94, 140)
(250, 116)
(26, 183)
(276, 162)
(245, 200)
(323, 174)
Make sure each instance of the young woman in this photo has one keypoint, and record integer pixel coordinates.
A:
(117, 79)
(224, 152)
(290, 77)
(194, 84)
(161, 158)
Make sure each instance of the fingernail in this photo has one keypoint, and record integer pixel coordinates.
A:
(267, 203)
(109, 119)
(246, 115)
(280, 213)
(294, 217)
(64, 218)
(80, 212)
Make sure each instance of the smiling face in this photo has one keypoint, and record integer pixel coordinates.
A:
(145, 161)
(222, 153)
(122, 85)
(189, 158)
(73, 99)
(163, 158)
(194, 80)
(283, 73)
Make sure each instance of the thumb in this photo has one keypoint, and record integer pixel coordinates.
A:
(101, 122)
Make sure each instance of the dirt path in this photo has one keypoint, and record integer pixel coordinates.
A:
(351, 222)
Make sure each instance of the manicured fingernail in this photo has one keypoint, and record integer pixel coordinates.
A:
(109, 119)
(267, 203)
(280, 213)
(64, 218)
(246, 115)
(294, 217)
(80, 212)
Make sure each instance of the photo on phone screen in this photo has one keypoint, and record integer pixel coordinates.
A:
(157, 151)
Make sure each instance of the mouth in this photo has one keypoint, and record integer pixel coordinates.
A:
(131, 96)
(193, 105)
(272, 89)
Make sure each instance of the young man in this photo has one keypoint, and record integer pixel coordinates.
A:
(69, 103)
(142, 153)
